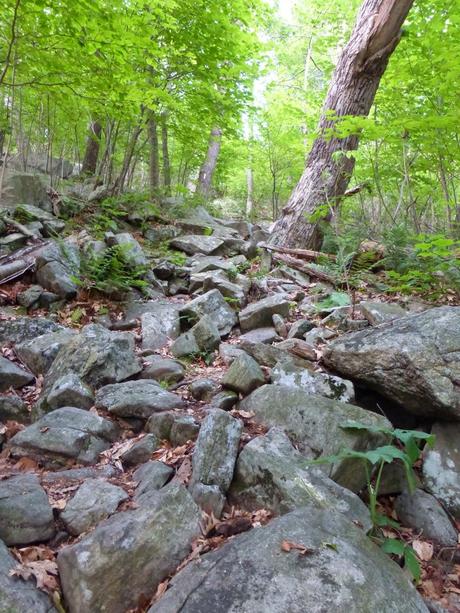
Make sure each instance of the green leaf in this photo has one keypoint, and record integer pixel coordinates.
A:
(412, 564)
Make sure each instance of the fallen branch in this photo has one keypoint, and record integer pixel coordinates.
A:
(306, 254)
(299, 265)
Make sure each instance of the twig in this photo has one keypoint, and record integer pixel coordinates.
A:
(306, 254)
(299, 265)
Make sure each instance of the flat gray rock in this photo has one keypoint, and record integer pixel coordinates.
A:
(70, 391)
(261, 335)
(39, 353)
(414, 361)
(12, 375)
(136, 399)
(193, 244)
(315, 424)
(259, 314)
(150, 477)
(252, 574)
(213, 304)
(129, 554)
(159, 324)
(94, 501)
(163, 369)
(140, 451)
(26, 515)
(380, 312)
(244, 375)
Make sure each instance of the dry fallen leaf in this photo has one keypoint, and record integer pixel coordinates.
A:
(423, 550)
(44, 572)
(288, 546)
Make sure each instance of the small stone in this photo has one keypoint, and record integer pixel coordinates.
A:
(261, 335)
(141, 451)
(209, 498)
(244, 375)
(39, 353)
(213, 304)
(280, 325)
(203, 389)
(70, 391)
(300, 328)
(225, 400)
(185, 345)
(94, 501)
(150, 477)
(160, 424)
(229, 352)
(183, 429)
(136, 399)
(12, 375)
(163, 369)
(30, 296)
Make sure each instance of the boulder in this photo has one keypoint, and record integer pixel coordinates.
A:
(193, 244)
(39, 353)
(244, 375)
(380, 312)
(203, 389)
(93, 501)
(159, 325)
(70, 391)
(150, 477)
(22, 187)
(342, 571)
(260, 335)
(30, 296)
(441, 467)
(414, 361)
(213, 304)
(13, 408)
(63, 434)
(26, 515)
(132, 251)
(12, 375)
(286, 373)
(271, 474)
(270, 355)
(163, 369)
(425, 515)
(316, 425)
(183, 429)
(57, 265)
(140, 451)
(128, 555)
(204, 336)
(17, 595)
(136, 399)
(259, 314)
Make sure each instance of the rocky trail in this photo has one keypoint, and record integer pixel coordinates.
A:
(155, 444)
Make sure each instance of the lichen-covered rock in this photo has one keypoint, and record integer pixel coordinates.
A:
(204, 336)
(39, 353)
(259, 314)
(57, 265)
(26, 515)
(70, 391)
(63, 434)
(184, 428)
(252, 573)
(94, 501)
(25, 328)
(163, 369)
(150, 477)
(244, 375)
(129, 554)
(414, 361)
(441, 467)
(136, 398)
(213, 304)
(271, 474)
(316, 425)
(13, 408)
(17, 595)
(159, 324)
(12, 375)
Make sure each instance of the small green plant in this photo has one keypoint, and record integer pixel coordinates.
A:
(402, 446)
(336, 299)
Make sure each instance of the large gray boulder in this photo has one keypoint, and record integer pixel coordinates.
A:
(259, 314)
(129, 554)
(213, 304)
(380, 312)
(17, 595)
(414, 361)
(39, 353)
(244, 375)
(26, 515)
(342, 571)
(57, 265)
(132, 251)
(70, 391)
(159, 326)
(24, 188)
(22, 329)
(193, 244)
(441, 467)
(63, 434)
(271, 474)
(12, 375)
(136, 399)
(316, 425)
(204, 336)
(94, 501)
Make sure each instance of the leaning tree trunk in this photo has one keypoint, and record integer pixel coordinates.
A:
(152, 129)
(92, 149)
(351, 92)
(209, 165)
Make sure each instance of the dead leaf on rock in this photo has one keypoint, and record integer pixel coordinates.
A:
(423, 550)
(43, 571)
(288, 546)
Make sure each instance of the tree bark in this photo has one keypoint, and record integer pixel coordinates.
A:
(209, 165)
(351, 93)
(250, 192)
(92, 149)
(165, 153)
(152, 128)
(120, 181)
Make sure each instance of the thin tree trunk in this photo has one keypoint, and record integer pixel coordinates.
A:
(165, 152)
(209, 165)
(351, 92)
(250, 195)
(129, 152)
(152, 129)
(92, 149)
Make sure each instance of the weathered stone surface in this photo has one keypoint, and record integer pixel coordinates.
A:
(56, 265)
(280, 325)
(192, 244)
(203, 389)
(30, 296)
(229, 352)
(203, 336)
(26, 515)
(441, 467)
(13, 408)
(65, 433)
(380, 312)
(132, 251)
(185, 345)
(183, 429)
(425, 515)
(270, 355)
(158, 325)
(97, 356)
(286, 373)
(150, 477)
(77, 474)
(216, 450)
(244, 375)
(160, 423)
(225, 400)
(39, 353)
(414, 361)
(129, 554)
(232, 291)
(94, 501)
(259, 314)
(141, 451)
(17, 595)
(163, 369)
(271, 474)
(136, 399)
(213, 304)
(298, 348)
(300, 328)
(315, 424)
(70, 391)
(261, 335)
(202, 264)
(12, 375)
(22, 187)
(251, 573)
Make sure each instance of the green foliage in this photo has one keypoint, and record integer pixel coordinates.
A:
(111, 271)
(335, 299)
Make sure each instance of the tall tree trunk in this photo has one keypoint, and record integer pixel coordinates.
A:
(152, 128)
(165, 153)
(120, 181)
(92, 149)
(209, 165)
(351, 92)
(250, 194)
